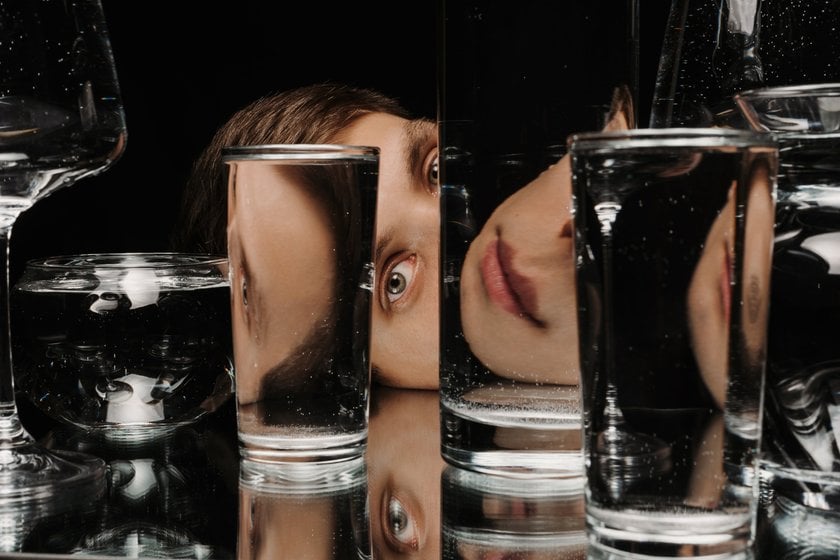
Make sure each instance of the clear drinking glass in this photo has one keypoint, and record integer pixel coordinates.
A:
(301, 222)
(801, 462)
(673, 236)
(509, 376)
(61, 119)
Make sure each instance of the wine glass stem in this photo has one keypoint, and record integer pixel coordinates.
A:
(612, 413)
(11, 430)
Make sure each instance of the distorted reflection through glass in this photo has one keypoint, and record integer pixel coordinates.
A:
(300, 235)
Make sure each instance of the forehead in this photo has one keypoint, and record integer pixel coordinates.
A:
(391, 134)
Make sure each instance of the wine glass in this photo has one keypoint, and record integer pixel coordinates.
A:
(625, 455)
(61, 119)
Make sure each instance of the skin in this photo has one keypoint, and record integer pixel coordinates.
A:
(536, 341)
(269, 205)
(284, 526)
(518, 296)
(404, 345)
(709, 305)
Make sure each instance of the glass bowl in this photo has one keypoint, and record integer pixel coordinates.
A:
(127, 344)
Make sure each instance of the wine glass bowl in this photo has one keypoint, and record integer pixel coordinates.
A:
(127, 346)
(61, 119)
(61, 114)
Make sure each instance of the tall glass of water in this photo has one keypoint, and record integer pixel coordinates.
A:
(300, 244)
(673, 237)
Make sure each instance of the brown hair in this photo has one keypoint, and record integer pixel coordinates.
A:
(311, 114)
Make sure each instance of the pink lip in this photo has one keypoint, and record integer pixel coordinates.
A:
(505, 287)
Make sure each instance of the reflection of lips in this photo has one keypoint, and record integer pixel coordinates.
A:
(505, 287)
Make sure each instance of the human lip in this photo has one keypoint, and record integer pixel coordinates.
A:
(505, 287)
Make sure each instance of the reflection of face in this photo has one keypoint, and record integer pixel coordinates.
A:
(709, 304)
(270, 204)
(517, 284)
(284, 527)
(404, 468)
(404, 328)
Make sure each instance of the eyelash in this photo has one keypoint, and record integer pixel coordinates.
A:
(407, 275)
(432, 170)
(400, 526)
(434, 167)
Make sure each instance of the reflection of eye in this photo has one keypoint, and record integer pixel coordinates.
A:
(400, 525)
(399, 278)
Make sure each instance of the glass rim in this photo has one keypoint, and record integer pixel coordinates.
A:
(127, 260)
(299, 152)
(828, 89)
(671, 138)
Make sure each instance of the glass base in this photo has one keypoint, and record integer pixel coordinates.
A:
(669, 534)
(31, 475)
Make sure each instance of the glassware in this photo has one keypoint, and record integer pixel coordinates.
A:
(801, 463)
(301, 221)
(491, 516)
(517, 79)
(303, 510)
(168, 497)
(673, 237)
(127, 345)
(61, 119)
(714, 49)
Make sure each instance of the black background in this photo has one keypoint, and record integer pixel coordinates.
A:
(184, 67)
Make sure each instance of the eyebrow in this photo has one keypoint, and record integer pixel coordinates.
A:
(382, 241)
(419, 134)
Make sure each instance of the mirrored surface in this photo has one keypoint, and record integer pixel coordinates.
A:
(184, 497)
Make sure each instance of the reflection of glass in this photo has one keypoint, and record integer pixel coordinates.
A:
(304, 510)
(803, 516)
(488, 516)
(167, 498)
(61, 119)
(802, 402)
(300, 235)
(131, 345)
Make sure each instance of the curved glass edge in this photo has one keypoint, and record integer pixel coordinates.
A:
(671, 138)
(299, 152)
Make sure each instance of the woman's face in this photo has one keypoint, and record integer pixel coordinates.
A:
(517, 284)
(270, 203)
(404, 329)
